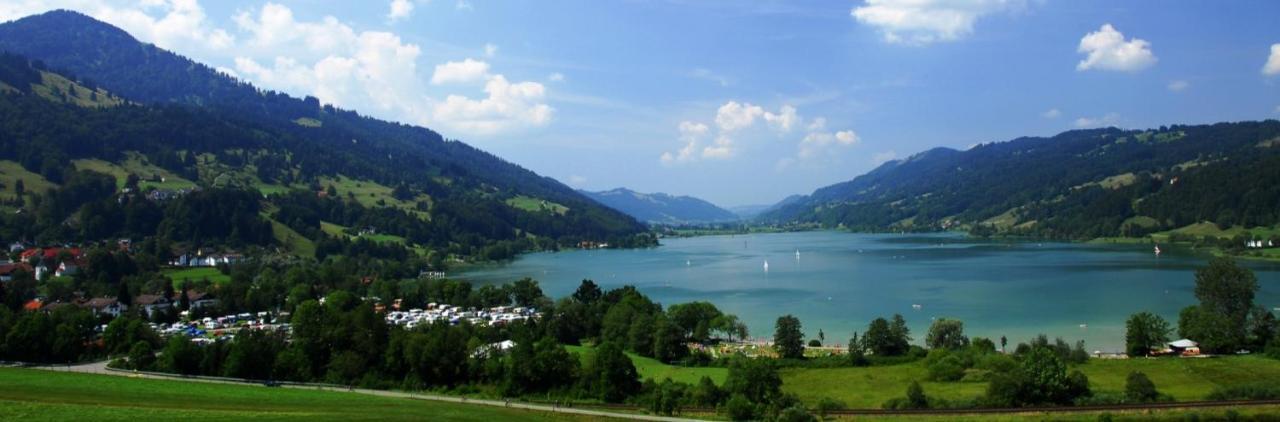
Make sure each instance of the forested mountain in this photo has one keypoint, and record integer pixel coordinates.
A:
(661, 208)
(164, 117)
(1079, 184)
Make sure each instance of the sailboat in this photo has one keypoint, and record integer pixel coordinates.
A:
(688, 263)
(766, 266)
(1157, 250)
(797, 254)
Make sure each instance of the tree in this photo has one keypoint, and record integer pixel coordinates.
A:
(1144, 332)
(788, 340)
(668, 340)
(916, 399)
(755, 380)
(1139, 389)
(588, 292)
(19, 188)
(141, 356)
(1226, 290)
(610, 375)
(946, 333)
(1208, 329)
(1262, 328)
(1041, 378)
(1004, 342)
(526, 292)
(695, 318)
(182, 356)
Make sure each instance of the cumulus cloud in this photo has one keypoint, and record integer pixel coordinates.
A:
(734, 115)
(1107, 49)
(691, 133)
(920, 22)
(507, 106)
(400, 9)
(468, 70)
(170, 24)
(734, 120)
(1110, 119)
(1052, 113)
(1179, 85)
(1272, 67)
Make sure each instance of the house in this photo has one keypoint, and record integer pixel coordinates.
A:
(7, 270)
(1184, 347)
(42, 271)
(106, 306)
(67, 269)
(152, 303)
(33, 305)
(199, 300)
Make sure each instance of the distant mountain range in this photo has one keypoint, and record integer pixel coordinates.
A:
(662, 208)
(1079, 184)
(77, 94)
(748, 212)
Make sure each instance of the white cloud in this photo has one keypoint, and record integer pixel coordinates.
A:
(463, 5)
(691, 133)
(1179, 85)
(1052, 113)
(883, 157)
(556, 77)
(816, 142)
(1272, 67)
(507, 106)
(734, 115)
(468, 70)
(1106, 49)
(171, 24)
(1110, 119)
(490, 50)
(920, 22)
(400, 9)
(784, 119)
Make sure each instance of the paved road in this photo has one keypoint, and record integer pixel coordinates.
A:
(101, 368)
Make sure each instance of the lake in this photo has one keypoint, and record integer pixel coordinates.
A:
(840, 281)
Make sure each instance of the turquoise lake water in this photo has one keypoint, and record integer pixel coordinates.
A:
(840, 281)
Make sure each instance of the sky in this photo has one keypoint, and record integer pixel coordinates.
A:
(735, 102)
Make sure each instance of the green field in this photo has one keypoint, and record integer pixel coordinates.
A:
(136, 164)
(650, 368)
(532, 204)
(195, 274)
(11, 172)
(369, 194)
(28, 394)
(1184, 379)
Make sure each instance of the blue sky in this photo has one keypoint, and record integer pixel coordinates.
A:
(735, 102)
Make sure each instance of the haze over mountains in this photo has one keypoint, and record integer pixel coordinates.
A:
(662, 208)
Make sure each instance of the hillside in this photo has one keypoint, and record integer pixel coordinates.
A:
(178, 124)
(661, 208)
(1079, 184)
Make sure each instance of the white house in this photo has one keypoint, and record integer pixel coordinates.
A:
(106, 305)
(66, 269)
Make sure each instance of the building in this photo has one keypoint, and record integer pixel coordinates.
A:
(199, 300)
(67, 269)
(7, 270)
(152, 303)
(106, 306)
(1184, 347)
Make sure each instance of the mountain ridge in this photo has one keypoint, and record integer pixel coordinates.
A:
(662, 208)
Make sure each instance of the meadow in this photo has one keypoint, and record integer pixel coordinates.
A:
(35, 395)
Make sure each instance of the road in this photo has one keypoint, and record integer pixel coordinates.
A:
(100, 368)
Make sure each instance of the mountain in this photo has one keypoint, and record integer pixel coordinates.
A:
(662, 208)
(191, 126)
(752, 211)
(1079, 184)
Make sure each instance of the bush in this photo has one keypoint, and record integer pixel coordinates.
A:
(949, 368)
(739, 408)
(795, 414)
(1139, 389)
(141, 356)
(826, 405)
(815, 343)
(1251, 391)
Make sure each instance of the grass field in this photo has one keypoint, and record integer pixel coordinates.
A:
(1184, 379)
(195, 274)
(135, 164)
(369, 194)
(532, 204)
(652, 369)
(11, 172)
(35, 395)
